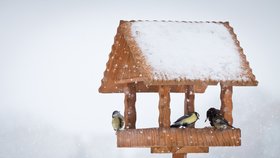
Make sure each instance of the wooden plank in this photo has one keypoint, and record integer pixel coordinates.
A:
(165, 137)
(226, 102)
(160, 150)
(185, 81)
(118, 86)
(193, 149)
(161, 135)
(129, 106)
(179, 136)
(164, 107)
(180, 150)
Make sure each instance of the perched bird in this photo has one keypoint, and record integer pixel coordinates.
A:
(220, 122)
(211, 113)
(216, 119)
(117, 120)
(186, 120)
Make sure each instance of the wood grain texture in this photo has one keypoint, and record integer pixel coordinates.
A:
(189, 99)
(178, 137)
(179, 155)
(129, 106)
(180, 150)
(164, 107)
(193, 149)
(226, 102)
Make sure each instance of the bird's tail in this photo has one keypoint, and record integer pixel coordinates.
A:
(230, 126)
(175, 126)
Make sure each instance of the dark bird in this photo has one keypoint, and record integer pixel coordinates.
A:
(186, 120)
(211, 113)
(117, 121)
(216, 119)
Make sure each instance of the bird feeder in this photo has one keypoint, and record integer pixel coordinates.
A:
(175, 57)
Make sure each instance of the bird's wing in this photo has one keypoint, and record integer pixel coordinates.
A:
(220, 120)
(182, 118)
(121, 118)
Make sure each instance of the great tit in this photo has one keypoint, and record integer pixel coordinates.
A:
(117, 120)
(186, 120)
(216, 119)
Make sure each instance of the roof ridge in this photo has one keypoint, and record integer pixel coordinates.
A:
(178, 21)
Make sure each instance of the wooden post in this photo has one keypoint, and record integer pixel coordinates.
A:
(188, 107)
(164, 106)
(189, 99)
(179, 155)
(226, 102)
(129, 106)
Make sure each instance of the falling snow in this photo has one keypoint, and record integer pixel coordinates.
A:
(53, 56)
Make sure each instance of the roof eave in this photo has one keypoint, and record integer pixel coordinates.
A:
(240, 83)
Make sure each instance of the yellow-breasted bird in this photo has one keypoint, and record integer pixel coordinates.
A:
(216, 119)
(117, 120)
(186, 120)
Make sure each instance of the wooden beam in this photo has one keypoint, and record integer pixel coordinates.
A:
(180, 150)
(161, 150)
(129, 106)
(110, 86)
(178, 137)
(193, 149)
(164, 107)
(226, 102)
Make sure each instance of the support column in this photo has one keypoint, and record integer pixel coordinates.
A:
(164, 107)
(129, 106)
(189, 99)
(226, 102)
(179, 155)
(188, 108)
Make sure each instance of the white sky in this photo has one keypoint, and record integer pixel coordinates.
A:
(53, 54)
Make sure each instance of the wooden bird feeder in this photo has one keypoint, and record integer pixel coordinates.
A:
(175, 57)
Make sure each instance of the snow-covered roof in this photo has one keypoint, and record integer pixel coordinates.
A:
(177, 53)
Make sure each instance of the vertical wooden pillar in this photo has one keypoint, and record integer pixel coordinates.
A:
(179, 155)
(129, 106)
(189, 99)
(226, 102)
(164, 107)
(188, 107)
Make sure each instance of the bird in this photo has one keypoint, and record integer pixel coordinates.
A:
(216, 119)
(212, 112)
(117, 120)
(186, 120)
(220, 122)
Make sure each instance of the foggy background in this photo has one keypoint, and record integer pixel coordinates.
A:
(53, 54)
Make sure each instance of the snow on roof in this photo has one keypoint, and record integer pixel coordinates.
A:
(196, 51)
(152, 53)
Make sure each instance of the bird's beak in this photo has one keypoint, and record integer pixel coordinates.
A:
(206, 119)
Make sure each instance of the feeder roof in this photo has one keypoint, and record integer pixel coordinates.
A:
(176, 53)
